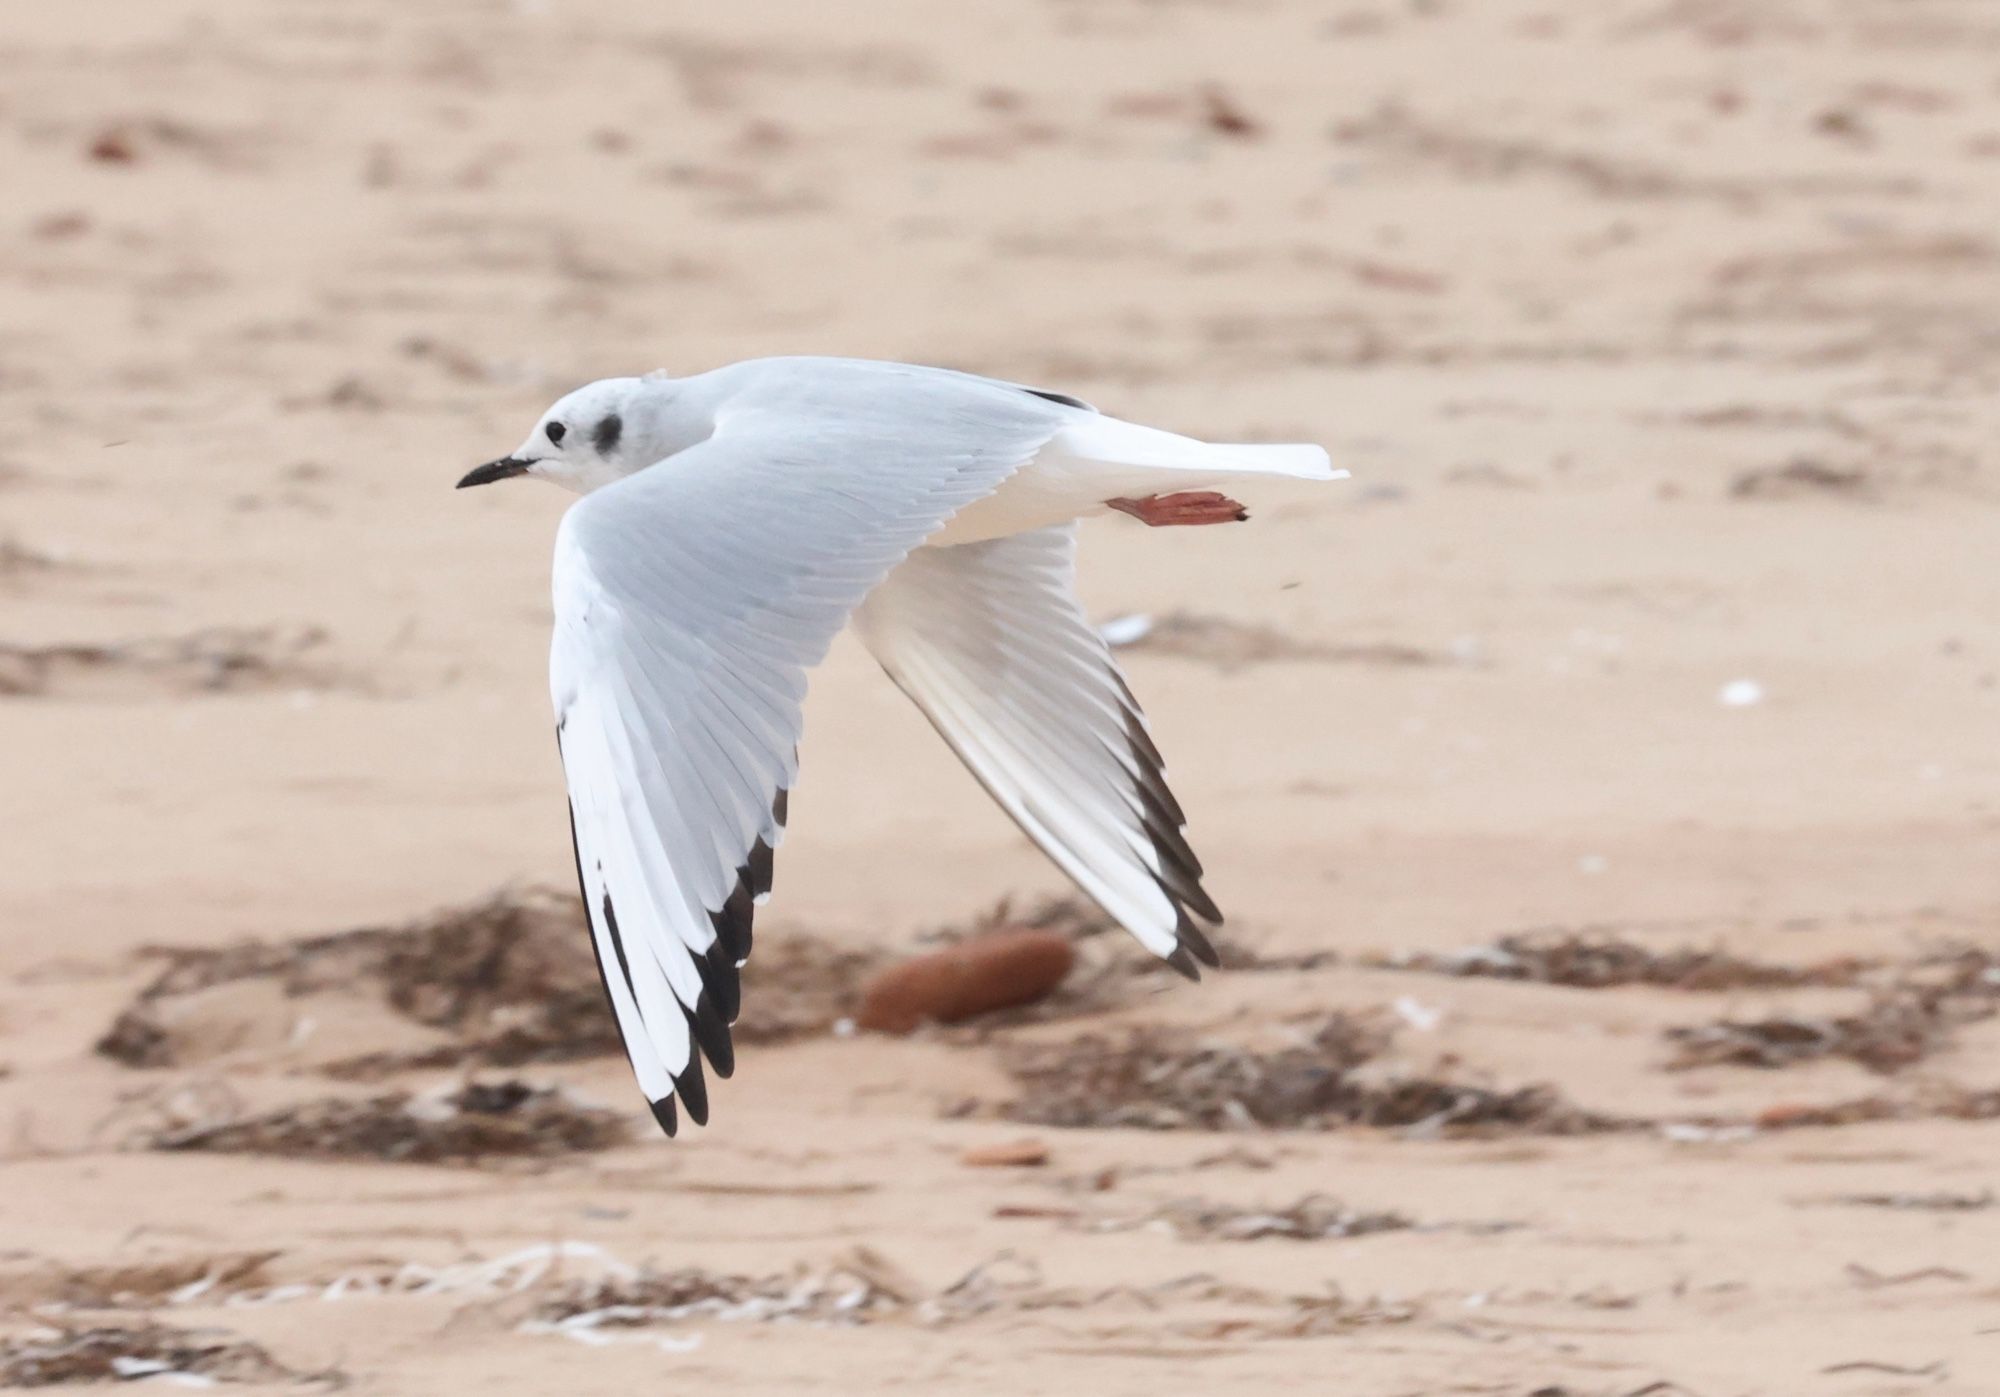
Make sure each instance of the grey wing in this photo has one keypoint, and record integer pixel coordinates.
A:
(989, 641)
(691, 599)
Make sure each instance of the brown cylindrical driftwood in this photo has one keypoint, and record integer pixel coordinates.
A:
(995, 971)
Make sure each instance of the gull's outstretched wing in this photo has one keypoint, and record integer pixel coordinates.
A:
(691, 599)
(989, 641)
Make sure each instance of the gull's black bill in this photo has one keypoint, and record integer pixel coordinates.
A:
(494, 470)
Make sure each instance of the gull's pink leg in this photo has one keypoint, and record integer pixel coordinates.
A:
(1189, 507)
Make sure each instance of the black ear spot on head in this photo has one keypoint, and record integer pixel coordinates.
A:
(555, 431)
(606, 435)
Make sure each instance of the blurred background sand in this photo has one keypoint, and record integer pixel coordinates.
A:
(1660, 337)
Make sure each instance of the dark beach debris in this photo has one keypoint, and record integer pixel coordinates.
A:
(1940, 1201)
(507, 973)
(1224, 115)
(61, 225)
(1249, 958)
(864, 1287)
(1006, 1154)
(219, 659)
(1868, 1278)
(1308, 1317)
(137, 1039)
(140, 1284)
(1800, 476)
(111, 147)
(859, 1287)
(1911, 1012)
(1211, 106)
(1903, 1022)
(1232, 645)
(1936, 1369)
(1397, 132)
(475, 1122)
(1162, 1079)
(133, 139)
(456, 362)
(1650, 1389)
(113, 1353)
(1889, 1035)
(1933, 1101)
(1315, 1217)
(509, 978)
(1595, 959)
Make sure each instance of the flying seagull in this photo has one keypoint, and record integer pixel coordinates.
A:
(732, 523)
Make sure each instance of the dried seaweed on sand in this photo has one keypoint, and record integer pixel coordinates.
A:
(864, 1287)
(503, 981)
(1315, 1217)
(1159, 1079)
(138, 1284)
(853, 1290)
(1890, 1034)
(1590, 959)
(509, 978)
(1903, 1022)
(474, 1122)
(1936, 1101)
(220, 659)
(119, 1354)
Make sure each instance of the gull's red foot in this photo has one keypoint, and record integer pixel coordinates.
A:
(1189, 507)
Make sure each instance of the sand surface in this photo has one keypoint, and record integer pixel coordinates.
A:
(1660, 337)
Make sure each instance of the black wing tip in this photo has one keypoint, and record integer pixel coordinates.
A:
(734, 922)
(692, 1089)
(720, 999)
(756, 870)
(1063, 399)
(1192, 939)
(721, 978)
(1181, 961)
(713, 1035)
(1164, 824)
(1202, 905)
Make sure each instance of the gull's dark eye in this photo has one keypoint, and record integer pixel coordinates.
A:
(555, 431)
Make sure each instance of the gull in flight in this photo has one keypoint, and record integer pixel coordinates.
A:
(732, 523)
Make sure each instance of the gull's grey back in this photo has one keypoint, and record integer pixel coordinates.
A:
(832, 390)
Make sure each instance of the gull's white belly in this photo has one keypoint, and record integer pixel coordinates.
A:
(1045, 491)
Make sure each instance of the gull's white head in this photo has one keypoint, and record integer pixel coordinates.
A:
(599, 433)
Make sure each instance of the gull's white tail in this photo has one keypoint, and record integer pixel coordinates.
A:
(1127, 446)
(1094, 460)
(1303, 461)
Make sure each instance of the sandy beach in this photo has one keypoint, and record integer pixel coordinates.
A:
(1604, 779)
